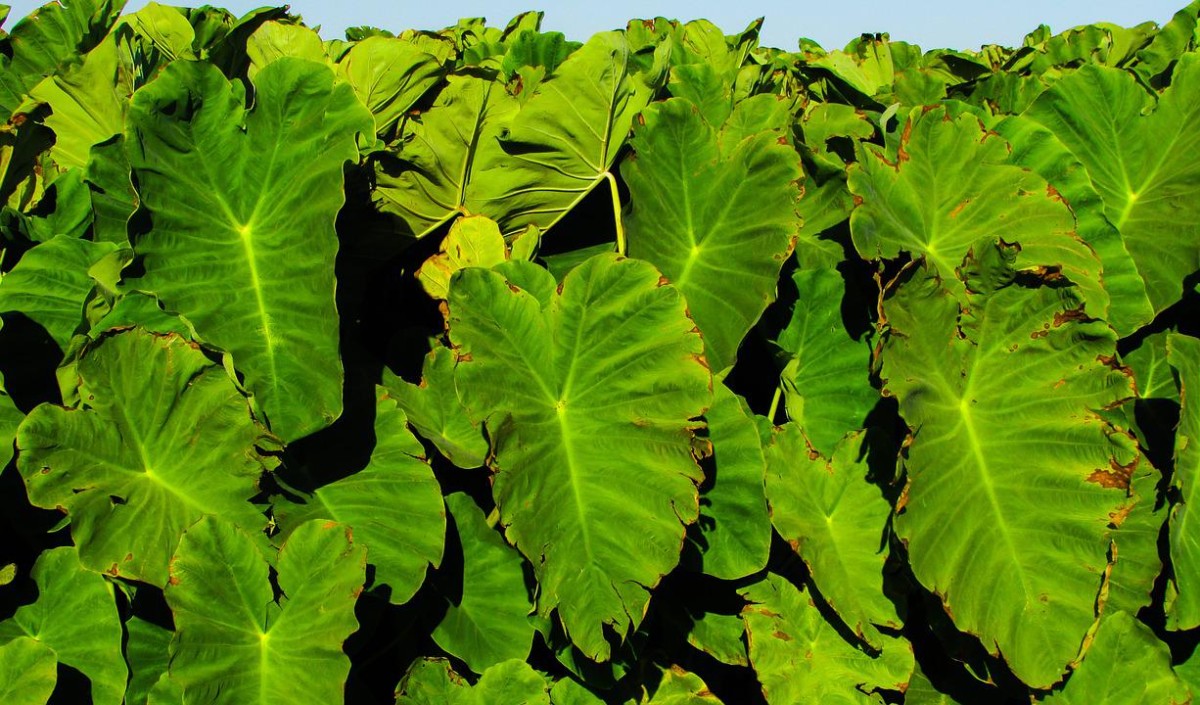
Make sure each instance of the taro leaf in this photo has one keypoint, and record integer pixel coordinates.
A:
(1003, 394)
(1126, 665)
(570, 692)
(921, 691)
(10, 419)
(243, 209)
(1151, 367)
(799, 657)
(45, 39)
(945, 185)
(139, 309)
(50, 285)
(678, 687)
(113, 197)
(490, 623)
(146, 651)
(443, 148)
(431, 681)
(433, 409)
(274, 40)
(717, 220)
(127, 466)
(28, 672)
(389, 76)
(1135, 542)
(75, 615)
(588, 392)
(565, 139)
(1173, 40)
(88, 105)
(1184, 612)
(236, 642)
(1036, 147)
(474, 241)
(733, 513)
(394, 505)
(837, 522)
(720, 636)
(1139, 163)
(826, 379)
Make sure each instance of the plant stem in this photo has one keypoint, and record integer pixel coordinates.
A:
(616, 203)
(493, 518)
(775, 403)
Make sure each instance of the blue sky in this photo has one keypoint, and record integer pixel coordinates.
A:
(961, 24)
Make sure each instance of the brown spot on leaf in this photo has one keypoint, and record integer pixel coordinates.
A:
(173, 580)
(858, 200)
(1115, 476)
(113, 570)
(781, 140)
(513, 288)
(663, 281)
(128, 557)
(329, 525)
(959, 208)
(901, 153)
(1054, 194)
(782, 636)
(559, 288)
(1061, 318)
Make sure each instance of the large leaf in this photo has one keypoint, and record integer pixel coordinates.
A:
(1003, 394)
(50, 285)
(947, 183)
(565, 139)
(394, 506)
(434, 682)
(162, 439)
(826, 379)
(389, 75)
(87, 104)
(1139, 163)
(243, 209)
(443, 148)
(1036, 147)
(836, 521)
(75, 615)
(28, 672)
(236, 642)
(716, 215)
(1126, 665)
(801, 658)
(45, 39)
(435, 412)
(588, 392)
(734, 525)
(489, 622)
(1184, 611)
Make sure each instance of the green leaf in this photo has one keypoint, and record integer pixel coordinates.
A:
(433, 682)
(717, 219)
(720, 636)
(837, 522)
(1184, 612)
(128, 466)
(147, 653)
(799, 657)
(1126, 665)
(1138, 162)
(563, 142)
(678, 687)
(273, 40)
(435, 412)
(945, 185)
(75, 615)
(1037, 148)
(734, 523)
(88, 104)
(489, 623)
(243, 209)
(28, 672)
(588, 392)
(1002, 393)
(474, 241)
(47, 38)
(50, 285)
(389, 76)
(394, 505)
(443, 149)
(826, 379)
(113, 197)
(235, 642)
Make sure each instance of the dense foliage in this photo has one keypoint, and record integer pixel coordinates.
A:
(483, 366)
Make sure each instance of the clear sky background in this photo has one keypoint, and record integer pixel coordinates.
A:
(959, 24)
